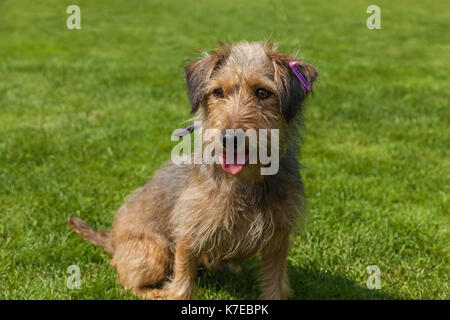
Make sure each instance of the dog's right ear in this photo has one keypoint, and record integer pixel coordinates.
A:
(199, 73)
(292, 90)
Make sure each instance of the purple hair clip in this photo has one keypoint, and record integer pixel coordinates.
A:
(293, 65)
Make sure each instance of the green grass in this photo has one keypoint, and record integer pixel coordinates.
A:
(86, 117)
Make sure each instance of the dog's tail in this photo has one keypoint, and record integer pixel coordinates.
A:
(99, 238)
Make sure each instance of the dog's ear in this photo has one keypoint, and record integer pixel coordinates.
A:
(199, 73)
(291, 91)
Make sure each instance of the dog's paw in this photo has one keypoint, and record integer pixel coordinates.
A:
(166, 294)
(156, 294)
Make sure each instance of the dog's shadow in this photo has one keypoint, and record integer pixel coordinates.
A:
(308, 284)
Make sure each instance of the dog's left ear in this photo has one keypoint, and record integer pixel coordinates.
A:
(199, 73)
(291, 90)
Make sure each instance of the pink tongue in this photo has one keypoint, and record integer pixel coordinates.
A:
(232, 168)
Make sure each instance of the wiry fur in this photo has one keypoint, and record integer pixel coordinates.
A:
(189, 214)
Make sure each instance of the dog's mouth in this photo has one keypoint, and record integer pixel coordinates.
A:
(235, 166)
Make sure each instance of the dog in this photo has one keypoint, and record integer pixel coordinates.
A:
(214, 214)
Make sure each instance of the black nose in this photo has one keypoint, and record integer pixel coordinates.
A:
(228, 139)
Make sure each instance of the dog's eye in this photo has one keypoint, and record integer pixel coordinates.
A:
(218, 93)
(262, 93)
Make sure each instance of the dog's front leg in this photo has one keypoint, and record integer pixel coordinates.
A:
(185, 265)
(274, 260)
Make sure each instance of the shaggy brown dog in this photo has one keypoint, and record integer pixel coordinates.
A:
(209, 213)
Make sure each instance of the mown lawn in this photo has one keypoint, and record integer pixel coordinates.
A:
(86, 117)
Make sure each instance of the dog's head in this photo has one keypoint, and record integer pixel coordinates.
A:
(247, 86)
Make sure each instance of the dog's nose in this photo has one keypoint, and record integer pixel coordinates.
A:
(228, 139)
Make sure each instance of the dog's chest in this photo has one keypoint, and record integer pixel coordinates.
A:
(240, 232)
(230, 222)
